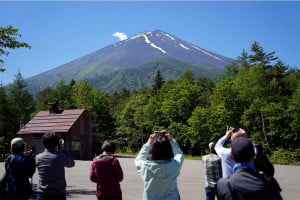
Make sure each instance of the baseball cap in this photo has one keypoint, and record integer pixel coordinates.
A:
(242, 149)
(17, 142)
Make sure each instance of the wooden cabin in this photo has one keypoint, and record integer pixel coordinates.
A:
(74, 126)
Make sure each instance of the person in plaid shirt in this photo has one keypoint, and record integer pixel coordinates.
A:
(212, 172)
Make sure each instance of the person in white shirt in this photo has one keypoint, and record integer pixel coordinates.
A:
(224, 152)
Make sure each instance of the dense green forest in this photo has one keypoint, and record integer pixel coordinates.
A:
(259, 93)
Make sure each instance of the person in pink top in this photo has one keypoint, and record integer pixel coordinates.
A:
(107, 172)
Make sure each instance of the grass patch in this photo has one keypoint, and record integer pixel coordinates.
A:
(190, 157)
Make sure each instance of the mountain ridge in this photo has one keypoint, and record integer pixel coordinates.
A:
(132, 53)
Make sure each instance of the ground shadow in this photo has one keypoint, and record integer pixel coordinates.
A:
(81, 192)
(70, 192)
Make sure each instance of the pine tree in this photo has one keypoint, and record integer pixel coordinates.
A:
(158, 82)
(22, 101)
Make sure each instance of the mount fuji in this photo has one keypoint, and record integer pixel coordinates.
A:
(132, 63)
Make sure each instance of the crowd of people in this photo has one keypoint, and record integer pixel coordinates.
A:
(238, 172)
(246, 171)
(20, 165)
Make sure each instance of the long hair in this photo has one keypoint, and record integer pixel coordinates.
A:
(162, 149)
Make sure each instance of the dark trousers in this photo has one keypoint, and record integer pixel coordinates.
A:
(211, 193)
(60, 196)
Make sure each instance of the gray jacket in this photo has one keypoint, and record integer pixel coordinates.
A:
(51, 169)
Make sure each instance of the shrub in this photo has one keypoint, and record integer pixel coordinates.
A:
(286, 157)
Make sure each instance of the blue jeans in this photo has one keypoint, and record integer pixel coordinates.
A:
(211, 193)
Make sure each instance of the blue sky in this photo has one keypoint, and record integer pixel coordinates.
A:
(60, 32)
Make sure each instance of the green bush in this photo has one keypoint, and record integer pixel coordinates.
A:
(286, 157)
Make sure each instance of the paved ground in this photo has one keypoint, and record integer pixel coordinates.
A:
(190, 181)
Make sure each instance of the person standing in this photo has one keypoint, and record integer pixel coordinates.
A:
(246, 183)
(159, 173)
(212, 172)
(262, 163)
(19, 166)
(106, 171)
(51, 165)
(224, 152)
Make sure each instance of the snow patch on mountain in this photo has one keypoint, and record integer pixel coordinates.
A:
(152, 44)
(147, 40)
(169, 36)
(185, 47)
(136, 36)
(205, 52)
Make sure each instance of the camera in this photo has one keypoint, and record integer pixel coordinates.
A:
(160, 133)
(235, 130)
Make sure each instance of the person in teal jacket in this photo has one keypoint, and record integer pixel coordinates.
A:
(159, 171)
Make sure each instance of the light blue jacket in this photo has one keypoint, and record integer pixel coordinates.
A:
(160, 177)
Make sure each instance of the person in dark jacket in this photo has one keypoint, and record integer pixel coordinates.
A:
(107, 172)
(262, 163)
(19, 166)
(245, 183)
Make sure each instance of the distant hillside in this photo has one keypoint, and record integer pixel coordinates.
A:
(126, 63)
(170, 69)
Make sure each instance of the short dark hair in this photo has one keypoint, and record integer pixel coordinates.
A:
(162, 149)
(108, 146)
(50, 140)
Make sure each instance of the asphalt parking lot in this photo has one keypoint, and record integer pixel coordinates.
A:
(190, 181)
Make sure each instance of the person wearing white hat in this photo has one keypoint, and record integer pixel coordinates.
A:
(19, 168)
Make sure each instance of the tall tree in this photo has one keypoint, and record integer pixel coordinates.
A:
(5, 121)
(158, 82)
(206, 86)
(244, 58)
(63, 94)
(8, 40)
(259, 56)
(294, 111)
(21, 101)
(231, 70)
(82, 95)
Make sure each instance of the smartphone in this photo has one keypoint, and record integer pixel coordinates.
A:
(160, 133)
(235, 130)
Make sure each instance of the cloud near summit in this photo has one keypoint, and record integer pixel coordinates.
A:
(121, 36)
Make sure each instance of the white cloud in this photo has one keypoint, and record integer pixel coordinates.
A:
(121, 36)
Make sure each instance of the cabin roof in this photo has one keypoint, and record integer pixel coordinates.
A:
(45, 121)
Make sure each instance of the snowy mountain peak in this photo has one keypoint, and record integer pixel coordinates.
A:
(134, 52)
(166, 43)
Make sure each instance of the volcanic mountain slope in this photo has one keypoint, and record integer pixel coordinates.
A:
(134, 53)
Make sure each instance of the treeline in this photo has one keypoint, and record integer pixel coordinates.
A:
(259, 93)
